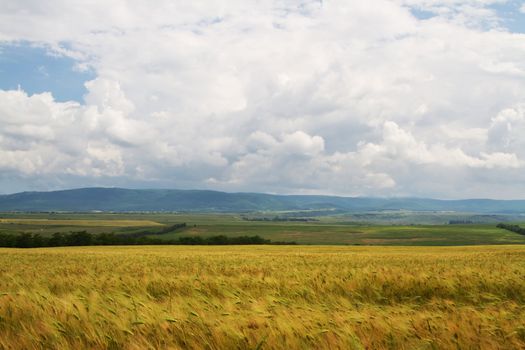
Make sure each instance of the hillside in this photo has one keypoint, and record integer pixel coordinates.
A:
(119, 199)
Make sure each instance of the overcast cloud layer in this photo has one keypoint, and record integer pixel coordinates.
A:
(337, 97)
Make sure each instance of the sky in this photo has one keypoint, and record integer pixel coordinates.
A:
(385, 98)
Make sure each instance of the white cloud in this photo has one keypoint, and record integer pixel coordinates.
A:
(325, 97)
(400, 145)
(506, 130)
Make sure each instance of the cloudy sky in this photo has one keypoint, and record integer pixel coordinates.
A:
(418, 98)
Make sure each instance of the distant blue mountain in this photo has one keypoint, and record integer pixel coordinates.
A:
(120, 200)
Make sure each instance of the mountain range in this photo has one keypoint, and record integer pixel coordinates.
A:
(122, 200)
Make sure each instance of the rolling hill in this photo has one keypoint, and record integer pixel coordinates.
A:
(120, 200)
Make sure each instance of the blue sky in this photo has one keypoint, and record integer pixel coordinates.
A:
(35, 70)
(418, 98)
(512, 18)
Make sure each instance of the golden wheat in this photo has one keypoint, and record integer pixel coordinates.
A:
(263, 297)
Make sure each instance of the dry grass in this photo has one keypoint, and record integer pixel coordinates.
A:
(263, 297)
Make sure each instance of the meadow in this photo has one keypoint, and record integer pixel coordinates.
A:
(263, 297)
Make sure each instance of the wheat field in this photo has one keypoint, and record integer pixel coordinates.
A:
(263, 297)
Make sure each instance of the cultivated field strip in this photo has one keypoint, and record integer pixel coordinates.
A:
(81, 223)
(263, 297)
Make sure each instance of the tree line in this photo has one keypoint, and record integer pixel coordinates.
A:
(163, 231)
(460, 222)
(512, 227)
(278, 219)
(83, 238)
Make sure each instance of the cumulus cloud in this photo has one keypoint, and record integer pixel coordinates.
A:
(335, 97)
(400, 145)
(506, 130)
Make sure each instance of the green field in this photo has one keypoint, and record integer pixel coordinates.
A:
(327, 230)
(263, 297)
